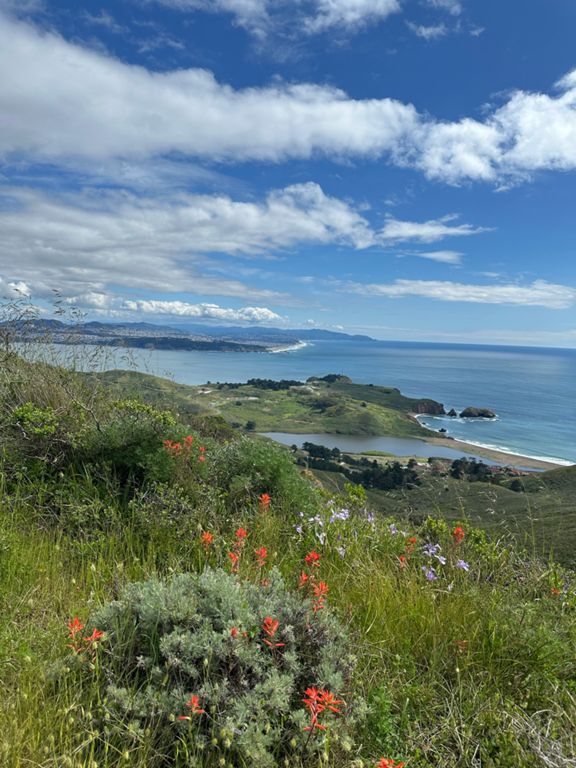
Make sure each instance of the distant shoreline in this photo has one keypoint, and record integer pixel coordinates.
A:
(290, 348)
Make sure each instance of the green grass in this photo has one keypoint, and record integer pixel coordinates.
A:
(339, 408)
(475, 669)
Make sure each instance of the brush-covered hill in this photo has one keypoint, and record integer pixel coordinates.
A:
(331, 404)
(175, 596)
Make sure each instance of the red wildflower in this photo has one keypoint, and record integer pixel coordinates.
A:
(167, 444)
(386, 762)
(207, 539)
(188, 441)
(194, 707)
(234, 632)
(241, 533)
(312, 559)
(270, 627)
(555, 591)
(320, 592)
(410, 545)
(261, 554)
(402, 560)
(201, 457)
(95, 637)
(265, 500)
(304, 579)
(234, 561)
(74, 627)
(458, 535)
(316, 701)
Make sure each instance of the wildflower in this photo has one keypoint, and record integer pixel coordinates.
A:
(313, 702)
(241, 534)
(555, 591)
(386, 762)
(458, 535)
(393, 530)
(402, 560)
(463, 565)
(95, 637)
(234, 632)
(234, 558)
(320, 591)
(303, 580)
(299, 530)
(261, 554)
(201, 457)
(429, 572)
(194, 707)
(431, 549)
(265, 500)
(74, 627)
(207, 539)
(312, 559)
(341, 551)
(316, 701)
(270, 627)
(188, 440)
(411, 543)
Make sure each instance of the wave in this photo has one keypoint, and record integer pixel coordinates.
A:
(290, 348)
(514, 452)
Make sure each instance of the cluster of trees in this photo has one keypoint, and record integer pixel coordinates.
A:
(276, 386)
(363, 471)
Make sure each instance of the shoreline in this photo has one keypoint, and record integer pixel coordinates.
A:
(502, 457)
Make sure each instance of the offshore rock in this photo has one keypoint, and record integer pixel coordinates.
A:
(477, 413)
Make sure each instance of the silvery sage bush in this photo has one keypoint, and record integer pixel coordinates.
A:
(217, 669)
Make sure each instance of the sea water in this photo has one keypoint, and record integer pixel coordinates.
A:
(532, 390)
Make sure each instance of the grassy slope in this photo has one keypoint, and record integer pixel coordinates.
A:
(543, 519)
(385, 411)
(476, 669)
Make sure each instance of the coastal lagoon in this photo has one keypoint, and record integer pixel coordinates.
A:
(532, 390)
(397, 446)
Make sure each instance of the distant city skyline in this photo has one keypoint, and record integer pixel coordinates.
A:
(398, 168)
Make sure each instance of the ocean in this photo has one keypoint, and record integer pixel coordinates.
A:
(532, 390)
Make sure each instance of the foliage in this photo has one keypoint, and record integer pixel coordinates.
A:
(205, 635)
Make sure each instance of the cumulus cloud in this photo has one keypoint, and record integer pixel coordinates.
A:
(203, 311)
(350, 14)
(397, 231)
(62, 103)
(537, 294)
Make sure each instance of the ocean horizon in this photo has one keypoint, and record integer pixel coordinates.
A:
(531, 389)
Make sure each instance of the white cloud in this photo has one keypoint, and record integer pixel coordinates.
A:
(537, 294)
(81, 242)
(444, 257)
(427, 231)
(350, 14)
(451, 6)
(431, 32)
(203, 311)
(311, 16)
(64, 103)
(14, 289)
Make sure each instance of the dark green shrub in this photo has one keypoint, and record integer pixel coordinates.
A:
(204, 635)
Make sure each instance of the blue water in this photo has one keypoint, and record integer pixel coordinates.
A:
(533, 390)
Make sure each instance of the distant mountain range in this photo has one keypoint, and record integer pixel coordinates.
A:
(185, 336)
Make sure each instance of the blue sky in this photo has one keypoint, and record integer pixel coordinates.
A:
(404, 168)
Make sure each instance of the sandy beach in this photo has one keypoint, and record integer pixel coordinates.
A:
(510, 459)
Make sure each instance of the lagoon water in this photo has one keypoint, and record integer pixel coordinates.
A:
(533, 390)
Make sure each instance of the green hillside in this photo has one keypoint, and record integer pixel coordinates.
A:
(339, 407)
(187, 597)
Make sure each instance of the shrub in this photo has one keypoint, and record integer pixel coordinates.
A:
(214, 637)
(245, 468)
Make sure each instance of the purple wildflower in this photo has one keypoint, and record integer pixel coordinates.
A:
(429, 572)
(463, 565)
